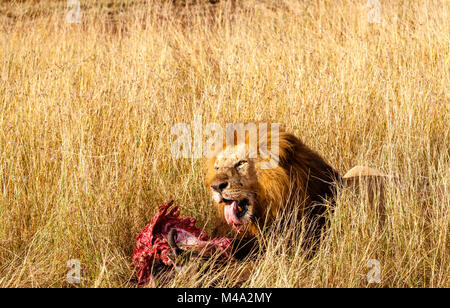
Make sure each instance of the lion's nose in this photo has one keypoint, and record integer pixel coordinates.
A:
(219, 186)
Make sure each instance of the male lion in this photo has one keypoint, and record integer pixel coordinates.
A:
(248, 197)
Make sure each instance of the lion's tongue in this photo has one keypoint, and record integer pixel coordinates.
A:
(230, 213)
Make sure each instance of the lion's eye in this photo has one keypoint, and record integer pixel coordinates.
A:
(241, 163)
(216, 167)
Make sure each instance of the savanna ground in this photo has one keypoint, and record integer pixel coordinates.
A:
(86, 111)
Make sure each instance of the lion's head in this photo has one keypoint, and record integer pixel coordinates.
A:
(247, 194)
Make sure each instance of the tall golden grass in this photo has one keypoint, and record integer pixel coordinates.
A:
(86, 111)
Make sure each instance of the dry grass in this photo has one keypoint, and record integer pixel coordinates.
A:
(86, 111)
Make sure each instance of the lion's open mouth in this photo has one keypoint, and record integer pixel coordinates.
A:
(234, 211)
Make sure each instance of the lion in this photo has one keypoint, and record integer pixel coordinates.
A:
(249, 197)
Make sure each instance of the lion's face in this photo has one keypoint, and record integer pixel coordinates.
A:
(234, 185)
